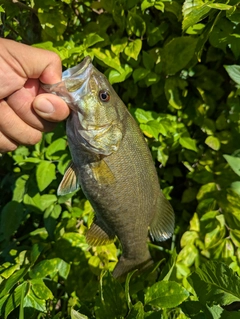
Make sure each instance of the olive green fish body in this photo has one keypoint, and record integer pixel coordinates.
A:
(114, 167)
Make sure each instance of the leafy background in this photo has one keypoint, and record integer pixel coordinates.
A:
(175, 64)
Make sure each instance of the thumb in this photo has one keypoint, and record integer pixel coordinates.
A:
(50, 107)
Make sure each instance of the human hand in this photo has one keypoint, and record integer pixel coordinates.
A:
(25, 110)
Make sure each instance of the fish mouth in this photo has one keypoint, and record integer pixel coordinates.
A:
(74, 84)
(78, 70)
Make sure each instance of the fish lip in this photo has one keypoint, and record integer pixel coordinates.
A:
(81, 72)
(77, 70)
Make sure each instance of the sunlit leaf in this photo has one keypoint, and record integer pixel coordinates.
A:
(234, 72)
(188, 143)
(133, 49)
(166, 294)
(213, 142)
(216, 282)
(234, 162)
(45, 174)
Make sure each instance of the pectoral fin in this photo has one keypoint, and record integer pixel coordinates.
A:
(162, 225)
(69, 182)
(99, 234)
(102, 173)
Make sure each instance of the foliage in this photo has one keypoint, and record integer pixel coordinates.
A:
(176, 66)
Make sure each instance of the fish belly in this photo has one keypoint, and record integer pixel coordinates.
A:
(127, 204)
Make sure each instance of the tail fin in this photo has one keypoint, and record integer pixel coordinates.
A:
(162, 225)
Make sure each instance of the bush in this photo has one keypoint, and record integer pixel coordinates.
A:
(175, 65)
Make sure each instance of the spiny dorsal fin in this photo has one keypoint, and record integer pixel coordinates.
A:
(162, 225)
(99, 234)
(69, 182)
(102, 173)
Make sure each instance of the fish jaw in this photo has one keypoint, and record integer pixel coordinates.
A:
(74, 84)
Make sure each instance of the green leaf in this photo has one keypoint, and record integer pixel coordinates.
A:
(147, 4)
(153, 129)
(40, 289)
(219, 6)
(11, 217)
(236, 187)
(166, 294)
(50, 267)
(53, 22)
(47, 200)
(31, 301)
(116, 76)
(133, 49)
(148, 60)
(189, 143)
(143, 116)
(137, 311)
(172, 62)
(159, 5)
(234, 72)
(15, 298)
(139, 74)
(45, 174)
(234, 163)
(151, 78)
(76, 315)
(118, 45)
(155, 33)
(135, 24)
(194, 12)
(215, 282)
(111, 302)
(91, 39)
(9, 283)
(36, 252)
(58, 145)
(213, 142)
(127, 292)
(19, 189)
(172, 92)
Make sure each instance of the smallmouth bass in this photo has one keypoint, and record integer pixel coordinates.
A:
(114, 167)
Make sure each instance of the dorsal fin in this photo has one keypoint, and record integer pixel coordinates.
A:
(69, 182)
(162, 225)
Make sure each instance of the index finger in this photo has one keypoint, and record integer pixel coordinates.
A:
(21, 62)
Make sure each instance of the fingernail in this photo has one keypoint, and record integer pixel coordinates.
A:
(44, 106)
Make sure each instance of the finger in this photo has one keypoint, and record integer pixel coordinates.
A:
(39, 111)
(15, 129)
(21, 102)
(6, 144)
(51, 107)
(48, 67)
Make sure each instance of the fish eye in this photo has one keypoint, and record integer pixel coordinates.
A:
(104, 96)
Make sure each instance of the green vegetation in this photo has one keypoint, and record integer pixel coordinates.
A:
(176, 65)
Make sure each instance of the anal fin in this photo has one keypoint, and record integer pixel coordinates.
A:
(69, 182)
(99, 234)
(162, 225)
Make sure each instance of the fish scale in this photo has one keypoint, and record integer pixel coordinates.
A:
(114, 167)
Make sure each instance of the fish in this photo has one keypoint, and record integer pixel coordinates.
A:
(113, 165)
